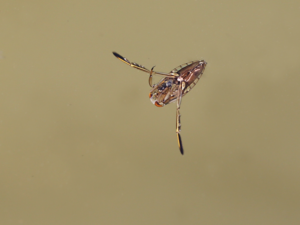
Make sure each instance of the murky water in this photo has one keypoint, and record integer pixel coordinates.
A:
(80, 142)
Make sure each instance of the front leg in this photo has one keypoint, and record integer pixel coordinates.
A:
(142, 68)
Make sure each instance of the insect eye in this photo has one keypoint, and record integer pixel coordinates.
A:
(163, 86)
(169, 83)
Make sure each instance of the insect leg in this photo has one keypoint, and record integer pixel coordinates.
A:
(150, 77)
(142, 68)
(178, 123)
(132, 64)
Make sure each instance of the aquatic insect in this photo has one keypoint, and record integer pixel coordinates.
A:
(172, 87)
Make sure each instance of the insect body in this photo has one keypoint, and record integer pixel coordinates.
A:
(173, 86)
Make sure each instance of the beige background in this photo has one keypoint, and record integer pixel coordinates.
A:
(80, 142)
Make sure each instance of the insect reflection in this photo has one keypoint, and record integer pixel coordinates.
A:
(172, 87)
